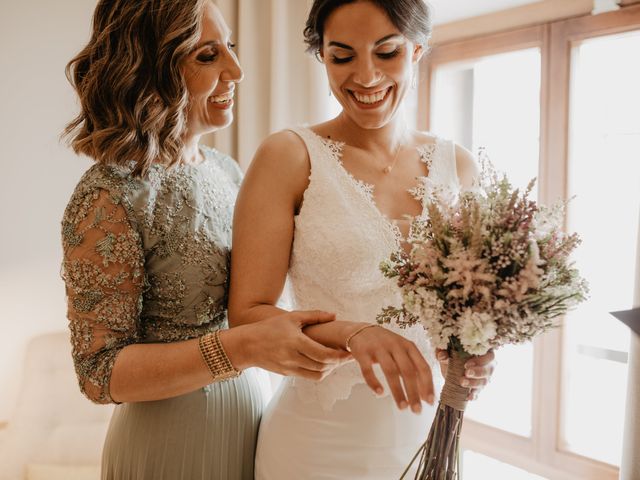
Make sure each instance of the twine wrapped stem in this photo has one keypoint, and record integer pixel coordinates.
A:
(440, 454)
(454, 395)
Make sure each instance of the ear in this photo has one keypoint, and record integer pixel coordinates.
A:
(418, 51)
(320, 55)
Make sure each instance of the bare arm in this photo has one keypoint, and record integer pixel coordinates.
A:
(263, 226)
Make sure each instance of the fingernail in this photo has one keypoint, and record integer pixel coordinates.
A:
(431, 399)
(416, 408)
(379, 391)
(464, 382)
(403, 405)
(470, 373)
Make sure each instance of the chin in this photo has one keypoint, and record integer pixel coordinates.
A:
(370, 122)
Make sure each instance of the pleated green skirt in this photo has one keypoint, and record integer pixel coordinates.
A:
(208, 434)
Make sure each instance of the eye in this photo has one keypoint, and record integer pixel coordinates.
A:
(391, 54)
(336, 59)
(207, 56)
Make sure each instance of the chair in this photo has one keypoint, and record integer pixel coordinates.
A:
(54, 431)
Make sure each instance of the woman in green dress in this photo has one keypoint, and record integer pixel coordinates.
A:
(146, 239)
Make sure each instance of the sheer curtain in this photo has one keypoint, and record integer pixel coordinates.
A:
(283, 85)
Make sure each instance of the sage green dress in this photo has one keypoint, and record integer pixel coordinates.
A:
(146, 260)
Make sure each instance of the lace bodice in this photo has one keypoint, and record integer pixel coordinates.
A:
(145, 259)
(339, 241)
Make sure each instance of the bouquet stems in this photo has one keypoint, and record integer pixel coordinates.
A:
(440, 454)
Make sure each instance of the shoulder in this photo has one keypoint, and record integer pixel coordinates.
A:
(282, 151)
(466, 166)
(100, 186)
(467, 169)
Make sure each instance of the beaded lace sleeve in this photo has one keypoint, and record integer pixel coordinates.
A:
(103, 271)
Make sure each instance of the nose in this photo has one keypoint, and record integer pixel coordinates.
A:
(232, 70)
(367, 74)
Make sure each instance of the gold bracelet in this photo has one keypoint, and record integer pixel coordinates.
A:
(216, 358)
(347, 347)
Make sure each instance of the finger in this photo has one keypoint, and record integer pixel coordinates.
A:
(479, 372)
(481, 360)
(313, 317)
(425, 376)
(366, 368)
(473, 395)
(473, 383)
(318, 352)
(409, 377)
(442, 355)
(392, 374)
(304, 373)
(302, 361)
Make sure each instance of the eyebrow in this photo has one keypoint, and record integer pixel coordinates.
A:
(211, 43)
(378, 42)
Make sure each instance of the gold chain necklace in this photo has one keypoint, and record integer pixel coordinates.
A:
(389, 167)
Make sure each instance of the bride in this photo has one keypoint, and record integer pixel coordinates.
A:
(324, 205)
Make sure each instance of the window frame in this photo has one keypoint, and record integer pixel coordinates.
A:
(542, 452)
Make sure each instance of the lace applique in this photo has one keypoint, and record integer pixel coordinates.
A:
(426, 156)
(164, 238)
(366, 189)
(103, 271)
(340, 239)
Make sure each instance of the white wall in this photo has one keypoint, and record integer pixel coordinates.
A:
(37, 174)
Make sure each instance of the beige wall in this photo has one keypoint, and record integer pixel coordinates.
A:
(37, 175)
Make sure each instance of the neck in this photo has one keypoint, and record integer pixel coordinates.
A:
(388, 137)
(191, 151)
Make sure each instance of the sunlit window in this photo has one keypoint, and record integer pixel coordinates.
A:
(494, 103)
(604, 175)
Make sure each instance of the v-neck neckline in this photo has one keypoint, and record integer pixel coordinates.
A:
(366, 189)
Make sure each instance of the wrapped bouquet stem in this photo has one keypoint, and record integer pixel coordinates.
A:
(487, 267)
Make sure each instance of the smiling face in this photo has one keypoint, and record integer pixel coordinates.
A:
(369, 62)
(211, 72)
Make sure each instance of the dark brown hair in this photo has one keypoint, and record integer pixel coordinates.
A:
(411, 17)
(133, 97)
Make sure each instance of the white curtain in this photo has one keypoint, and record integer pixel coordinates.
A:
(283, 85)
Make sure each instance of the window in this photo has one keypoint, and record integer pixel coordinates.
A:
(559, 101)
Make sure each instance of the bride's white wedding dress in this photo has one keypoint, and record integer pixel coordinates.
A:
(338, 428)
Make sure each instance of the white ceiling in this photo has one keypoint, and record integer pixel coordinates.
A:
(445, 11)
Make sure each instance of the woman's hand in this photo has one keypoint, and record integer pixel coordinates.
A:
(478, 371)
(278, 344)
(399, 359)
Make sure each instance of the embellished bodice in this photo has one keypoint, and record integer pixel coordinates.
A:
(146, 259)
(340, 238)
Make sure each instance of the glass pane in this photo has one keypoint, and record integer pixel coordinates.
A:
(494, 102)
(604, 175)
(480, 467)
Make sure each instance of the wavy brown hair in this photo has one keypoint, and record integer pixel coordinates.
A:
(133, 95)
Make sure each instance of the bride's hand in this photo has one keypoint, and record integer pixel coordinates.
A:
(279, 345)
(478, 371)
(399, 359)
